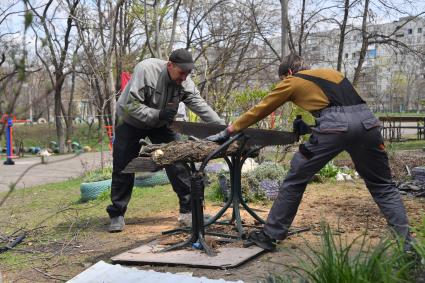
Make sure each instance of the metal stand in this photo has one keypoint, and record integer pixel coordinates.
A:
(197, 238)
(235, 199)
(235, 162)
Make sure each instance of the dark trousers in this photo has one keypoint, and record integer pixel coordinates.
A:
(355, 130)
(126, 147)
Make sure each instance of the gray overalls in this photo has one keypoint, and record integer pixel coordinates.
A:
(346, 124)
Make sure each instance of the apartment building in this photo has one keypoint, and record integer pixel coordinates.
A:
(393, 73)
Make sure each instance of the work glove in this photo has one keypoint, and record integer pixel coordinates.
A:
(167, 114)
(221, 137)
(300, 127)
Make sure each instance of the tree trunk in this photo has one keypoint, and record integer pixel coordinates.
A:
(342, 35)
(176, 6)
(284, 28)
(300, 39)
(58, 113)
(365, 43)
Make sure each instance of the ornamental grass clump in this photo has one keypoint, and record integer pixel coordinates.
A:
(339, 261)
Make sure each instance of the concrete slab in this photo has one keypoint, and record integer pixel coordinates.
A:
(227, 257)
(59, 168)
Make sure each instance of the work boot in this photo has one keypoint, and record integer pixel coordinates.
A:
(262, 240)
(185, 219)
(117, 224)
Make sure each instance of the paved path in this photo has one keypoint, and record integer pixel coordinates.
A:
(59, 168)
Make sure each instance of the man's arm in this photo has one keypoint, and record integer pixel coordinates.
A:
(278, 96)
(198, 105)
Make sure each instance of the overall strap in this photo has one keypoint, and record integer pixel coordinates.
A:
(341, 94)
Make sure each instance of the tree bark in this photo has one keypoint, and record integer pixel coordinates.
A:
(342, 35)
(300, 39)
(365, 43)
(156, 156)
(284, 28)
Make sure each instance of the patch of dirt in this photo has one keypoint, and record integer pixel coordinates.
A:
(347, 207)
(398, 162)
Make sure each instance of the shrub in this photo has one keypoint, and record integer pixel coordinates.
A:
(98, 175)
(329, 171)
(270, 187)
(262, 182)
(214, 193)
(356, 261)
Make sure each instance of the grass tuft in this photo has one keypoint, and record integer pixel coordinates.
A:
(339, 261)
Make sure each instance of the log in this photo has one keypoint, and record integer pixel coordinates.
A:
(156, 156)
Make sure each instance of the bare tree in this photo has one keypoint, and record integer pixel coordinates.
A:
(343, 33)
(97, 30)
(371, 34)
(365, 42)
(45, 29)
(284, 27)
(310, 20)
(13, 61)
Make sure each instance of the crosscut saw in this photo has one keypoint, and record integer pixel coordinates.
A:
(258, 137)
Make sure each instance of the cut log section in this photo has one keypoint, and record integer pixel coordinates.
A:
(156, 156)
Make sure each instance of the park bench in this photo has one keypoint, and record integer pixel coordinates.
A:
(392, 126)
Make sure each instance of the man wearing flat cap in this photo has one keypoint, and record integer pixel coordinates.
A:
(146, 108)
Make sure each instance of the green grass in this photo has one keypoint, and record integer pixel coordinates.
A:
(42, 134)
(53, 213)
(407, 145)
(400, 114)
(341, 261)
(32, 204)
(213, 192)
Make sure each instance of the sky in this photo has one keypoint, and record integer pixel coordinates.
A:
(14, 24)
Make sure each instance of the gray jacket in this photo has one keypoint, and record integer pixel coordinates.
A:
(151, 89)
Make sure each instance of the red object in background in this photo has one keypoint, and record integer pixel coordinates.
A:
(125, 77)
(9, 120)
(110, 133)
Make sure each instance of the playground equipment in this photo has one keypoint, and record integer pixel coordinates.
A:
(110, 133)
(9, 120)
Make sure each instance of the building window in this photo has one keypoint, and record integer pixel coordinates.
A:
(409, 31)
(419, 30)
(353, 55)
(399, 35)
(371, 53)
(346, 55)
